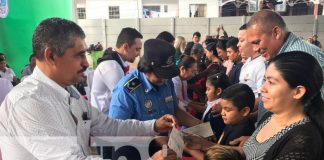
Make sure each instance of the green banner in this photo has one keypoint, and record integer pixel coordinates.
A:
(17, 27)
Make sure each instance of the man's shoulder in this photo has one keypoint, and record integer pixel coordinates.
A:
(27, 89)
(297, 44)
(257, 63)
(108, 64)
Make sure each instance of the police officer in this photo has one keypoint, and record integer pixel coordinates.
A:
(148, 92)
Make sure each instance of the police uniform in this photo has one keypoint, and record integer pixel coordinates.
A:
(136, 98)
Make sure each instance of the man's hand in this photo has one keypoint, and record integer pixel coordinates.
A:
(164, 124)
(239, 141)
(170, 155)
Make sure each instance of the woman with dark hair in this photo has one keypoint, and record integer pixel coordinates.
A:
(222, 54)
(187, 69)
(212, 55)
(292, 94)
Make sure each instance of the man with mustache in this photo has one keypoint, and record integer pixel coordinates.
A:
(44, 116)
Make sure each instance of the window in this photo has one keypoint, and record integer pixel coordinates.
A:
(197, 10)
(114, 12)
(81, 13)
(151, 11)
(229, 9)
(165, 8)
(152, 8)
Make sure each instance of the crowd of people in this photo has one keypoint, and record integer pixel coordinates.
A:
(261, 91)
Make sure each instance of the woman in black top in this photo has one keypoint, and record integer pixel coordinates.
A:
(292, 93)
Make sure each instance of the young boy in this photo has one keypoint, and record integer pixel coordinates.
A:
(235, 57)
(237, 102)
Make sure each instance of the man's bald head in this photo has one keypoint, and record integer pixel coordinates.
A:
(266, 20)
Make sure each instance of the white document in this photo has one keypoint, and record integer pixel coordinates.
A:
(176, 142)
(203, 130)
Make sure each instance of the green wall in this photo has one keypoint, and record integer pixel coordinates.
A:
(17, 28)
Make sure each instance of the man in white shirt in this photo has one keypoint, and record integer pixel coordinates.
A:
(44, 117)
(113, 66)
(253, 70)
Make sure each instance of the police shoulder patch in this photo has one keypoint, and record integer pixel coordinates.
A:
(132, 84)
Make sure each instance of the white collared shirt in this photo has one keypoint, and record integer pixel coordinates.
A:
(252, 73)
(210, 104)
(105, 78)
(36, 122)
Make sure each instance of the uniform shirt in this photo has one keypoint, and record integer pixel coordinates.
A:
(105, 79)
(294, 43)
(252, 73)
(136, 98)
(8, 74)
(36, 122)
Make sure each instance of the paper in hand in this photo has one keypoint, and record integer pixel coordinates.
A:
(203, 130)
(176, 142)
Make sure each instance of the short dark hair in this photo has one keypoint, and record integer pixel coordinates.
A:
(221, 44)
(144, 66)
(211, 47)
(232, 43)
(196, 34)
(219, 80)
(186, 61)
(197, 49)
(2, 59)
(266, 20)
(127, 35)
(241, 95)
(2, 55)
(57, 34)
(243, 27)
(31, 56)
(167, 36)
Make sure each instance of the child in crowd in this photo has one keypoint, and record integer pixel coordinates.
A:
(237, 102)
(196, 86)
(215, 85)
(188, 68)
(220, 152)
(215, 61)
(235, 57)
(222, 54)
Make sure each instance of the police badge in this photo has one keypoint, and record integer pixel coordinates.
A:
(149, 106)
